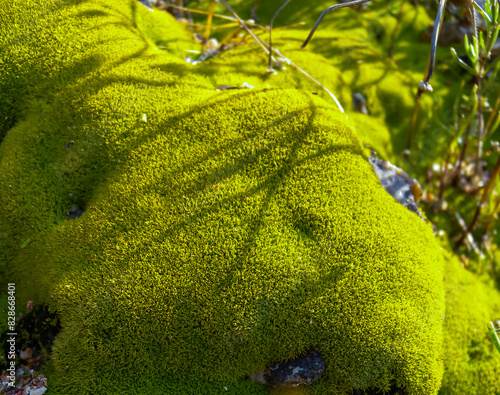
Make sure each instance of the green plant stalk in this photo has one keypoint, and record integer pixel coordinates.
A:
(414, 118)
(396, 28)
(494, 113)
(494, 336)
(495, 125)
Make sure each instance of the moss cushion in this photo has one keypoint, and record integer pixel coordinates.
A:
(223, 231)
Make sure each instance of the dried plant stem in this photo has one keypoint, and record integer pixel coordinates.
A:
(330, 9)
(283, 58)
(396, 28)
(244, 26)
(486, 193)
(229, 18)
(434, 42)
(491, 216)
(473, 14)
(209, 20)
(180, 4)
(271, 32)
(443, 176)
(255, 6)
(289, 62)
(424, 86)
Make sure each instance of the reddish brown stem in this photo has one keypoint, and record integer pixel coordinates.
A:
(490, 218)
(486, 193)
(414, 118)
(456, 174)
(443, 176)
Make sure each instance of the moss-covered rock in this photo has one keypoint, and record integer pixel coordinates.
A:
(222, 231)
(472, 364)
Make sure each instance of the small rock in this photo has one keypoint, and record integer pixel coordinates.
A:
(147, 4)
(26, 354)
(74, 212)
(360, 103)
(398, 184)
(302, 371)
(246, 85)
(21, 372)
(38, 391)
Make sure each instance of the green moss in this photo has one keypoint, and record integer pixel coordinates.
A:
(373, 133)
(228, 231)
(472, 364)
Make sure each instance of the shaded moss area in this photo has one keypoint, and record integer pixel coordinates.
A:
(222, 231)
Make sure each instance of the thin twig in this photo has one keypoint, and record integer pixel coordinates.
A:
(271, 32)
(245, 27)
(486, 193)
(163, 7)
(424, 85)
(285, 59)
(491, 217)
(434, 41)
(289, 62)
(330, 9)
(253, 14)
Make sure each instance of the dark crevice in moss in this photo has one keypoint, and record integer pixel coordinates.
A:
(37, 331)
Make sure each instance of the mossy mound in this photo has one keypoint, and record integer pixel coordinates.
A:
(472, 364)
(356, 44)
(222, 231)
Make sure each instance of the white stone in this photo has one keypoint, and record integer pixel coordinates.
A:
(38, 391)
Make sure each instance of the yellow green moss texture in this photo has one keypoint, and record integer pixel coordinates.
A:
(472, 364)
(222, 231)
